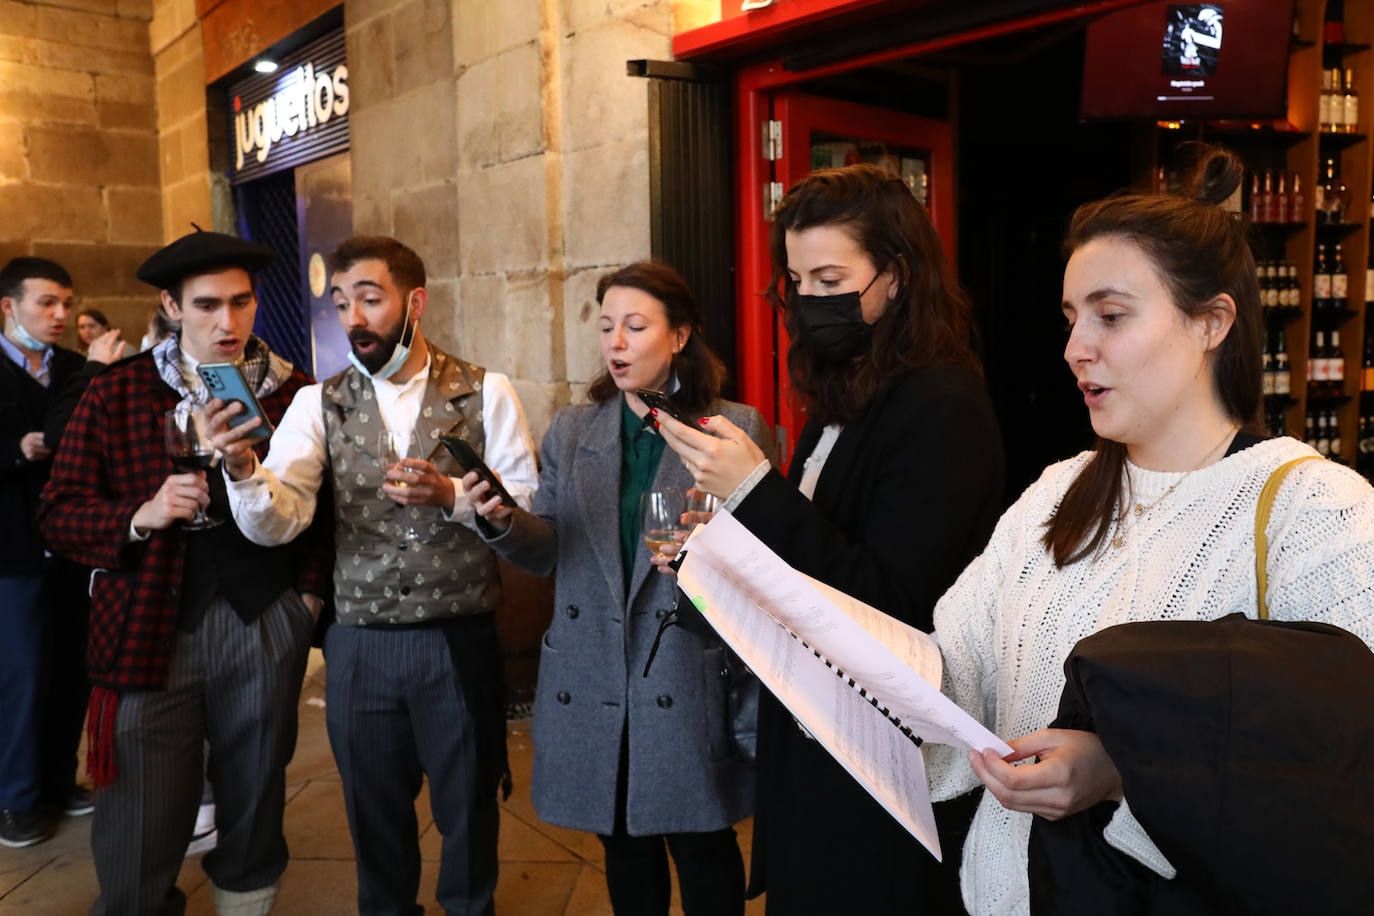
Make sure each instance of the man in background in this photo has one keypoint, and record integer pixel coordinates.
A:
(43, 686)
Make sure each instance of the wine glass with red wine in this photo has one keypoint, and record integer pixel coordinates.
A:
(189, 447)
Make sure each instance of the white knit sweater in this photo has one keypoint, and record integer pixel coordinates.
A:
(1008, 623)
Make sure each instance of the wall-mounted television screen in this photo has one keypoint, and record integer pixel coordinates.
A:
(1171, 61)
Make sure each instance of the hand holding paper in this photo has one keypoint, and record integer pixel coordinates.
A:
(864, 684)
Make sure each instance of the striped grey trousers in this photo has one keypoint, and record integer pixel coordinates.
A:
(234, 686)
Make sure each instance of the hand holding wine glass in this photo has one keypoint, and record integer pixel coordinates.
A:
(661, 514)
(190, 449)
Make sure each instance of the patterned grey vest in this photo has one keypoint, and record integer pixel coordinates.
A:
(380, 576)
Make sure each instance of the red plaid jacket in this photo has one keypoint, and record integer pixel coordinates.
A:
(112, 460)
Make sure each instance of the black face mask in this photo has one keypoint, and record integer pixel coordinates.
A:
(833, 327)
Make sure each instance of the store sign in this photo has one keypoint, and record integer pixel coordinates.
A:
(295, 115)
(308, 101)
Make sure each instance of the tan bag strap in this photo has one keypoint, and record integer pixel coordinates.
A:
(1266, 503)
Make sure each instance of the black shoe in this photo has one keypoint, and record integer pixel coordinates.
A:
(79, 802)
(20, 828)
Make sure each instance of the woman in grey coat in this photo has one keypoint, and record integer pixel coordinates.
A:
(645, 762)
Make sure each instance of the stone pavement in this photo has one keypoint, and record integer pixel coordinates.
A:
(545, 871)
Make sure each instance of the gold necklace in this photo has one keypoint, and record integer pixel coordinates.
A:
(1141, 508)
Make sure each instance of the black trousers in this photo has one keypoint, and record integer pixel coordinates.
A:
(710, 869)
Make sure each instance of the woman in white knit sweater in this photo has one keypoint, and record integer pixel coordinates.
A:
(1157, 523)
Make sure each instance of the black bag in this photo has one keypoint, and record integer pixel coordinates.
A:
(1245, 749)
(742, 695)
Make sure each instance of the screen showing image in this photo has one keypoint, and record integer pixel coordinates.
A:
(1192, 39)
(1166, 61)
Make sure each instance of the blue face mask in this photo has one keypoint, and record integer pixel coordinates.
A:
(398, 355)
(26, 340)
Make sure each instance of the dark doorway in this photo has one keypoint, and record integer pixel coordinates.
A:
(1025, 163)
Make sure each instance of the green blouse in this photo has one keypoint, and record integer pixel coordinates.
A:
(641, 447)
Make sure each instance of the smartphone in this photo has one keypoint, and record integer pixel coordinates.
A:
(226, 382)
(660, 401)
(469, 461)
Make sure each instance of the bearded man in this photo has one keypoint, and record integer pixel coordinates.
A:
(413, 676)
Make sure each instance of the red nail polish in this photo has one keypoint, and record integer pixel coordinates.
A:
(703, 420)
(653, 412)
(656, 424)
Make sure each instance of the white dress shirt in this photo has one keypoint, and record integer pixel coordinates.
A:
(277, 501)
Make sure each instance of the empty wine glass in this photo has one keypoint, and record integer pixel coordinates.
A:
(661, 522)
(190, 450)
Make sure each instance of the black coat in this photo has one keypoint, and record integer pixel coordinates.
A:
(25, 407)
(1245, 750)
(908, 496)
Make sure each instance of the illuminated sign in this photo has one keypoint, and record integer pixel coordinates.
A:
(293, 116)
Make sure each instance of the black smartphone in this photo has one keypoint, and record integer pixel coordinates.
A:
(226, 382)
(660, 401)
(469, 461)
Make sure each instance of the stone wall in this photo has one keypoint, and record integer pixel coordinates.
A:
(505, 143)
(182, 123)
(79, 165)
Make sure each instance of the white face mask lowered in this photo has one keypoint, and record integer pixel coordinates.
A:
(398, 355)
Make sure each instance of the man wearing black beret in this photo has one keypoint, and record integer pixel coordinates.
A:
(196, 636)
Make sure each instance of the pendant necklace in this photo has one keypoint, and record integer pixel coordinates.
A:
(1141, 508)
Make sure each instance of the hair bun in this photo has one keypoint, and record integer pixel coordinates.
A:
(1216, 173)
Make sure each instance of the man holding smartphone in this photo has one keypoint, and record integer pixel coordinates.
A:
(413, 680)
(196, 636)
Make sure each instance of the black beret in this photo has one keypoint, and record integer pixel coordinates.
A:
(202, 252)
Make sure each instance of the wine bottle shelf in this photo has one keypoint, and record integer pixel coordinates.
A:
(1339, 141)
(1337, 229)
(1327, 401)
(1279, 401)
(1282, 314)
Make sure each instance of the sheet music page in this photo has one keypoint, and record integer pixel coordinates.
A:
(753, 599)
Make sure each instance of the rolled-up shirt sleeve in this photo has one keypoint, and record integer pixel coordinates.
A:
(277, 501)
(509, 449)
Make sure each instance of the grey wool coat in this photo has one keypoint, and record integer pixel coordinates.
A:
(683, 776)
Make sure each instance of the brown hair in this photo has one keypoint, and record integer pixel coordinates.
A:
(928, 323)
(700, 373)
(95, 315)
(1199, 251)
(407, 270)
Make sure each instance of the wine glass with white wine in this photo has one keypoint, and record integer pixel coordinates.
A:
(392, 449)
(661, 522)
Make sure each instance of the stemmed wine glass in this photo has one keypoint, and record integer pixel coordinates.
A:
(189, 447)
(660, 513)
(392, 447)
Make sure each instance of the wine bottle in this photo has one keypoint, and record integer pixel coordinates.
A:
(1310, 432)
(1323, 436)
(1334, 425)
(1367, 365)
(1351, 103)
(1321, 282)
(1297, 204)
(1281, 200)
(1340, 280)
(1324, 103)
(1335, 364)
(1267, 375)
(1333, 23)
(1270, 290)
(1294, 290)
(1283, 377)
(1256, 200)
(1318, 370)
(1268, 205)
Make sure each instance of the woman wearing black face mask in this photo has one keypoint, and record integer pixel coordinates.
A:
(894, 488)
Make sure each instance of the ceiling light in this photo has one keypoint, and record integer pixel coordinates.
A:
(265, 66)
